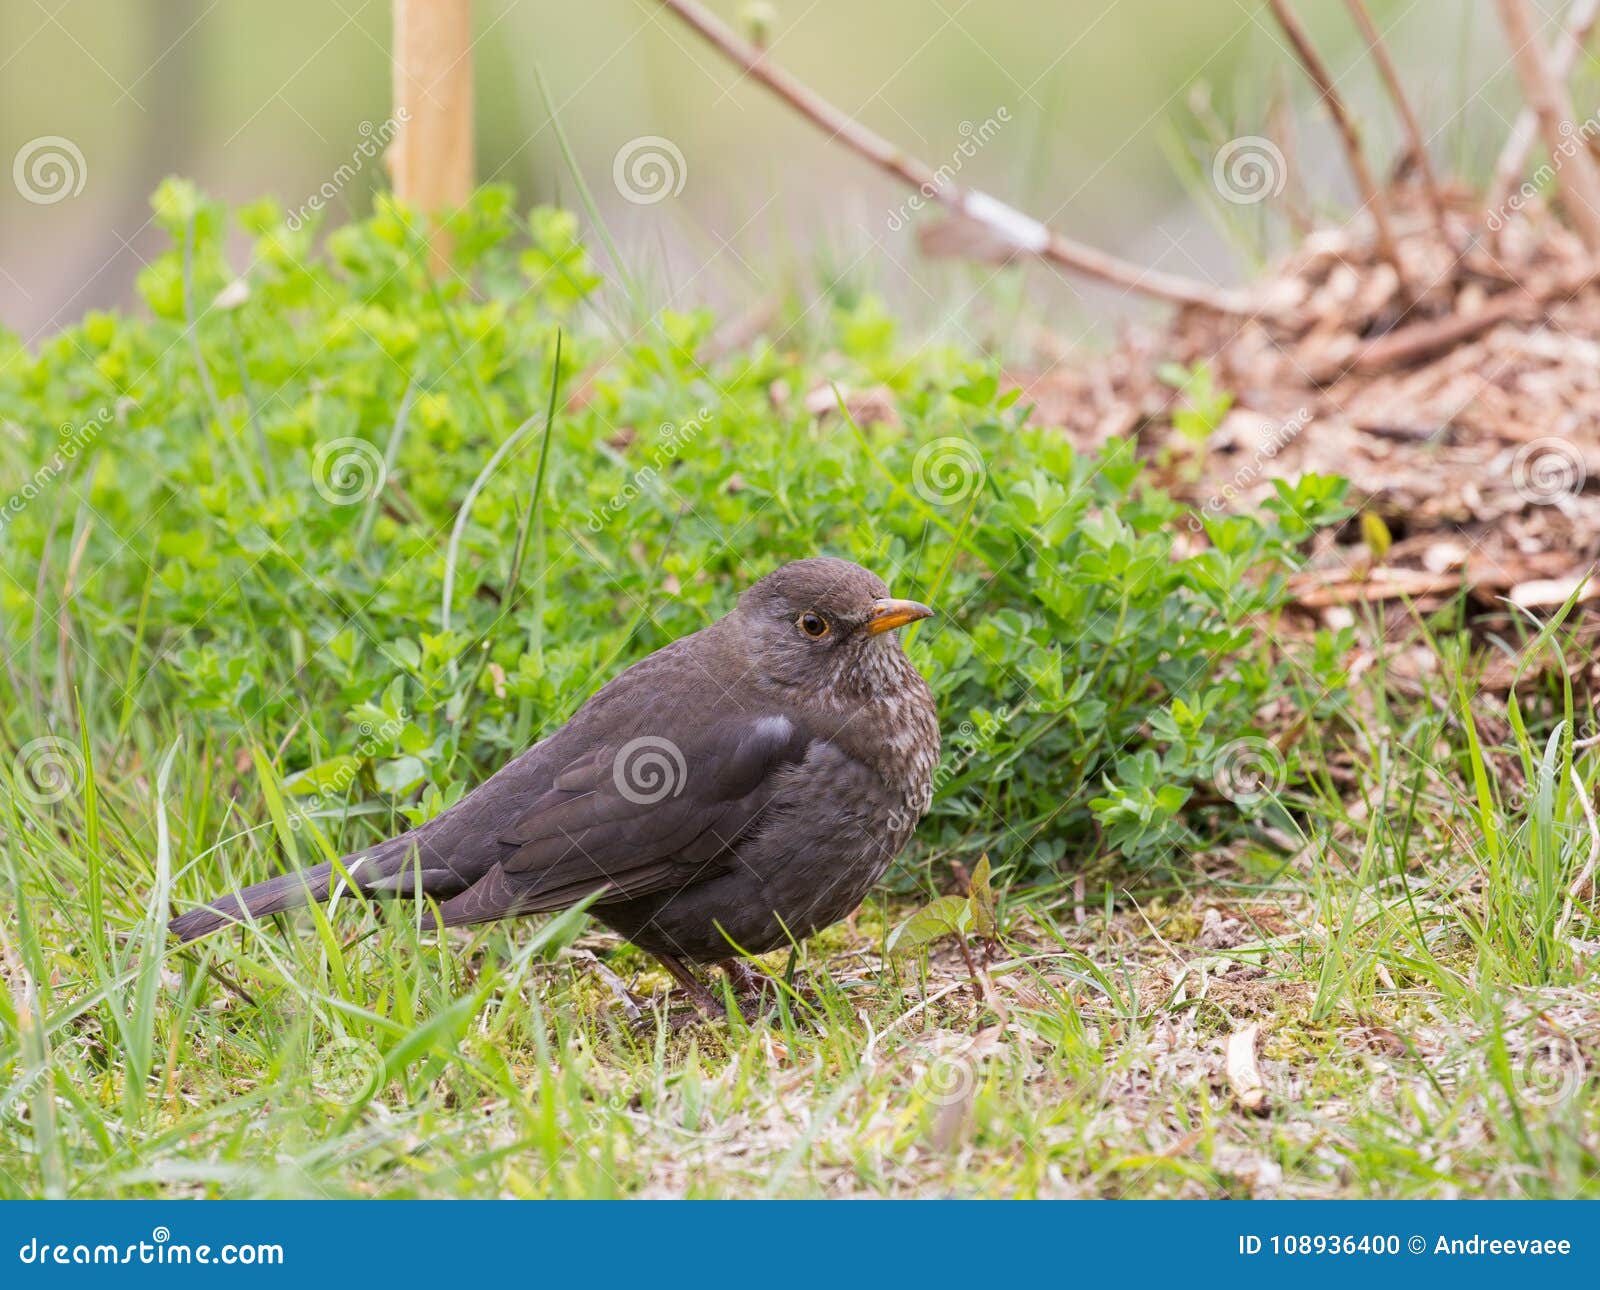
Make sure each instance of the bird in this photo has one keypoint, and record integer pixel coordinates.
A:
(737, 790)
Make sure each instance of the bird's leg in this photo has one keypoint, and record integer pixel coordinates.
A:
(746, 980)
(708, 1005)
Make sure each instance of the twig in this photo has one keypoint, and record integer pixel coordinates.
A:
(612, 982)
(1419, 340)
(1402, 106)
(867, 1054)
(1244, 1072)
(1547, 96)
(1314, 591)
(220, 977)
(1514, 154)
(1317, 70)
(1021, 233)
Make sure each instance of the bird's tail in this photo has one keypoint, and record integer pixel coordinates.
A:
(372, 870)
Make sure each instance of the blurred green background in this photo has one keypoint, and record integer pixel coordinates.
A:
(250, 99)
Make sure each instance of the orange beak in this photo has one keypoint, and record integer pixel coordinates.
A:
(889, 614)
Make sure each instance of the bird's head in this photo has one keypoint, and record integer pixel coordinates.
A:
(826, 623)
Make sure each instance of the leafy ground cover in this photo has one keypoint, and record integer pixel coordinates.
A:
(300, 553)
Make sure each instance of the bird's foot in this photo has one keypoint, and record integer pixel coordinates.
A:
(746, 981)
(675, 1020)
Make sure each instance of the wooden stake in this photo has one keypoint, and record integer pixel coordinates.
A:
(1317, 70)
(431, 159)
(1547, 96)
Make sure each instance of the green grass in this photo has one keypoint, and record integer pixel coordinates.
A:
(1429, 1027)
(1202, 815)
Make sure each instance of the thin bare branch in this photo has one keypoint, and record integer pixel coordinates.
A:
(1513, 157)
(1317, 70)
(1021, 233)
(1281, 129)
(1402, 106)
(1547, 96)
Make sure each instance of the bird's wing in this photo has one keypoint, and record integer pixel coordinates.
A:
(633, 816)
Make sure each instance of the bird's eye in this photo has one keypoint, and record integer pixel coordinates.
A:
(813, 625)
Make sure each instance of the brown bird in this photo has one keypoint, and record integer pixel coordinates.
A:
(732, 792)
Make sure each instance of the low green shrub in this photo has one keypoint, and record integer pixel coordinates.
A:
(242, 514)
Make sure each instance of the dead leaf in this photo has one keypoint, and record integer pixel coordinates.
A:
(1552, 593)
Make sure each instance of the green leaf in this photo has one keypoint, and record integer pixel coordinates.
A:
(947, 916)
(337, 773)
(400, 775)
(980, 895)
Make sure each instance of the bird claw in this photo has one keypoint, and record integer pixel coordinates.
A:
(676, 1021)
(707, 1010)
(747, 981)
